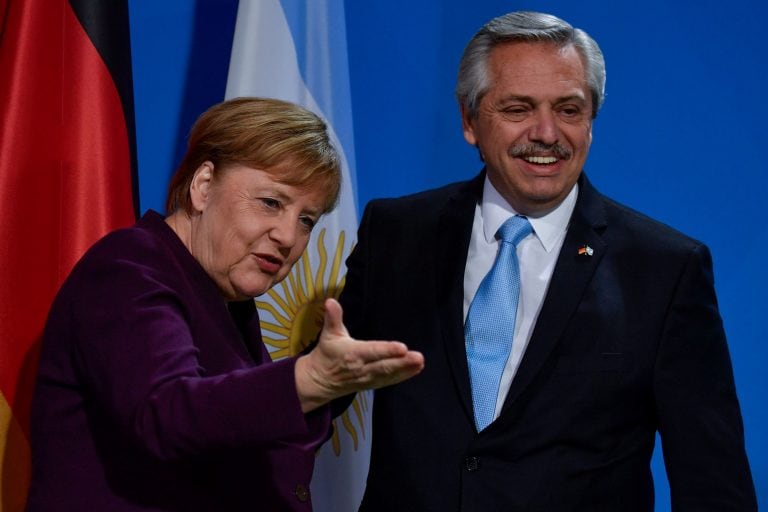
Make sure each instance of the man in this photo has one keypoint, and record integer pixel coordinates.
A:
(609, 331)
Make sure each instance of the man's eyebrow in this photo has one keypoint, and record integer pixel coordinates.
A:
(516, 97)
(571, 97)
(532, 101)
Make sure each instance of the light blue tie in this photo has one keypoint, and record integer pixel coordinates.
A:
(490, 324)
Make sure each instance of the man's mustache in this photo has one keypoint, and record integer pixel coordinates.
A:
(539, 149)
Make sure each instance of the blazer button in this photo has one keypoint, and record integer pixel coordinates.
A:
(472, 463)
(302, 494)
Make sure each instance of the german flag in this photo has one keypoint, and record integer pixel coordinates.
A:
(67, 177)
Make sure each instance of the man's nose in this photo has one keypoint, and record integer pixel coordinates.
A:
(544, 127)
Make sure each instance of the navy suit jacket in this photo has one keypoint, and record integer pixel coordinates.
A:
(628, 342)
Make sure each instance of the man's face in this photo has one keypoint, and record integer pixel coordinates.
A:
(534, 124)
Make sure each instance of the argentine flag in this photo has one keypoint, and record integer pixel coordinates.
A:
(296, 50)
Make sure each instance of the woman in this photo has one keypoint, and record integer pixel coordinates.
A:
(154, 390)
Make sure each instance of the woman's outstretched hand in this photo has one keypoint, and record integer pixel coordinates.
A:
(340, 365)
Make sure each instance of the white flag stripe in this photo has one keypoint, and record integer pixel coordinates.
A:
(264, 56)
(265, 63)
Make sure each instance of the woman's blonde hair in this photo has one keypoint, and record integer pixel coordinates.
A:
(283, 139)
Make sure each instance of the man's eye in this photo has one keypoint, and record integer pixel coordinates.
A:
(570, 111)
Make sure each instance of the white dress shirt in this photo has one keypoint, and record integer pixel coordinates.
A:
(537, 254)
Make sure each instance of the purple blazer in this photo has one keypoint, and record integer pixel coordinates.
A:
(154, 394)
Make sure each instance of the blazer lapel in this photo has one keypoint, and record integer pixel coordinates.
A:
(570, 278)
(455, 228)
(246, 318)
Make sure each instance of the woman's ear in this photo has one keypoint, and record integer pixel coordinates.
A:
(200, 187)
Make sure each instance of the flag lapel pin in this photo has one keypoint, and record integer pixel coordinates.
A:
(586, 250)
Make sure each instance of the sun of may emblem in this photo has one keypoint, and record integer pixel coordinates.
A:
(292, 315)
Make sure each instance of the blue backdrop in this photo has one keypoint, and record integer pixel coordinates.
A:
(678, 137)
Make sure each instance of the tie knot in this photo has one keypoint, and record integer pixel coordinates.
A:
(515, 229)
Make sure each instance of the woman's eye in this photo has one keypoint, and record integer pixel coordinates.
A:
(308, 222)
(270, 203)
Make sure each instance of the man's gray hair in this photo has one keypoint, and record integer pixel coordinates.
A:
(525, 26)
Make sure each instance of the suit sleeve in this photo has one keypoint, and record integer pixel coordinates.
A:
(352, 298)
(136, 356)
(699, 418)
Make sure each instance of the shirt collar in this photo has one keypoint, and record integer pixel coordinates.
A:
(548, 228)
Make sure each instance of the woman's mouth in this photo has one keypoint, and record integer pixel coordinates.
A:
(268, 264)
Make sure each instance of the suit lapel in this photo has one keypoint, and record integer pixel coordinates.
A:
(570, 278)
(455, 228)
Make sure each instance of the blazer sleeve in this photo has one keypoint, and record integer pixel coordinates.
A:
(136, 355)
(699, 418)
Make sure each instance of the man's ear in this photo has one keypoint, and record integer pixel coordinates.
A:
(200, 187)
(468, 125)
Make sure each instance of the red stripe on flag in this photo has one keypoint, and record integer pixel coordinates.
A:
(65, 173)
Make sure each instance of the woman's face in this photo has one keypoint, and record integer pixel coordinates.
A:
(249, 229)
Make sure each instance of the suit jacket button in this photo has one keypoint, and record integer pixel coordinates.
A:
(472, 463)
(302, 494)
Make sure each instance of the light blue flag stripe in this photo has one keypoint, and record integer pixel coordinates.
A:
(321, 52)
